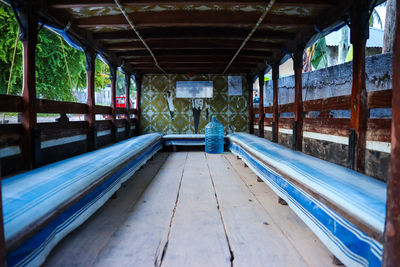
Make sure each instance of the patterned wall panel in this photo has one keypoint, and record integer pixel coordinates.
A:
(231, 111)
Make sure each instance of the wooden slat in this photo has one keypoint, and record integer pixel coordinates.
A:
(332, 126)
(10, 135)
(51, 106)
(286, 108)
(248, 226)
(380, 99)
(54, 130)
(110, 3)
(179, 18)
(286, 123)
(103, 125)
(326, 104)
(120, 123)
(379, 130)
(197, 218)
(10, 103)
(149, 224)
(267, 121)
(119, 110)
(102, 110)
(268, 109)
(198, 33)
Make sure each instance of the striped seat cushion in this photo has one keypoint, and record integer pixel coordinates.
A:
(344, 208)
(184, 139)
(60, 196)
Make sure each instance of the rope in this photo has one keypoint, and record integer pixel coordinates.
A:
(11, 70)
(121, 8)
(267, 9)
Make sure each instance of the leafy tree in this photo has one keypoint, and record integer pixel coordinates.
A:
(53, 55)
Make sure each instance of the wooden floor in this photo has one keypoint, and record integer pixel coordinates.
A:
(192, 209)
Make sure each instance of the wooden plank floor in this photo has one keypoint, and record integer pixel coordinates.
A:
(192, 209)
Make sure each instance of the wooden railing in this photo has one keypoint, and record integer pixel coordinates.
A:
(377, 129)
(11, 134)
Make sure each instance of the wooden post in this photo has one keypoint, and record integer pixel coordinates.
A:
(391, 255)
(358, 104)
(3, 251)
(251, 108)
(90, 117)
(127, 105)
(138, 82)
(261, 104)
(113, 78)
(275, 114)
(298, 100)
(31, 134)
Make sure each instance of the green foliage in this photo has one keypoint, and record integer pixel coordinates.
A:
(52, 81)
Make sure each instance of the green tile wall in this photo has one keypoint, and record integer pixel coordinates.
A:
(230, 110)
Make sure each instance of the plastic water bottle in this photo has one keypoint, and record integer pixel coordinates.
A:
(214, 137)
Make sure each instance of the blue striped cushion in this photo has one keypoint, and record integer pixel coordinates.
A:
(32, 196)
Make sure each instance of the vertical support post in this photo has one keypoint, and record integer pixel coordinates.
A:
(31, 134)
(261, 104)
(113, 78)
(391, 256)
(358, 104)
(3, 252)
(298, 100)
(127, 105)
(138, 82)
(90, 117)
(275, 111)
(251, 108)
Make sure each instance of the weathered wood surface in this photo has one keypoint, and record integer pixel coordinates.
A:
(87, 243)
(196, 211)
(254, 237)
(197, 235)
(300, 236)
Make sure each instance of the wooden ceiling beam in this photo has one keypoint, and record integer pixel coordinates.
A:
(178, 33)
(194, 59)
(193, 44)
(189, 66)
(111, 3)
(195, 52)
(184, 18)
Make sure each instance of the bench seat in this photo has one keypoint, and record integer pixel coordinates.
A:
(344, 208)
(184, 139)
(43, 205)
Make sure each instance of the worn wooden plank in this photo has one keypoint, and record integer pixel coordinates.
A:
(11, 103)
(379, 130)
(102, 110)
(86, 243)
(380, 99)
(286, 108)
(326, 104)
(51, 106)
(286, 123)
(141, 237)
(297, 143)
(197, 236)
(267, 121)
(268, 109)
(253, 236)
(301, 237)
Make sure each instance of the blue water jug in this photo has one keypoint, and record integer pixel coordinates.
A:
(214, 137)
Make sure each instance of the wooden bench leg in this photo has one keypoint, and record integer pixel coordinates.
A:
(174, 149)
(237, 157)
(245, 165)
(259, 180)
(282, 201)
(114, 196)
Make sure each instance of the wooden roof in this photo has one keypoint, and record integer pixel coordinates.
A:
(194, 36)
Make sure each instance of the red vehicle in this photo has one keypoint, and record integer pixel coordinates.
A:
(121, 103)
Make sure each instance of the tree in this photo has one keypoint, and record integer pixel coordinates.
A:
(52, 57)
